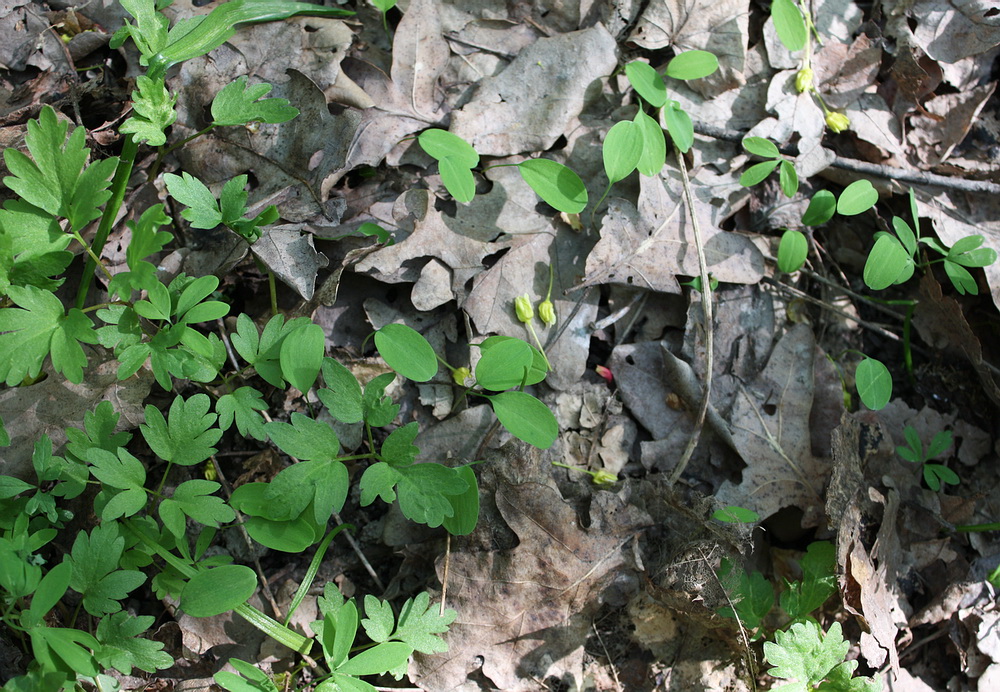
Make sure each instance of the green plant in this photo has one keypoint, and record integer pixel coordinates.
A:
(915, 452)
(788, 179)
(160, 520)
(800, 651)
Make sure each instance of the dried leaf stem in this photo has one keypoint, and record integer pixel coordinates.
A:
(706, 307)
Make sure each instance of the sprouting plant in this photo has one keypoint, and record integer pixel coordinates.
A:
(788, 179)
(810, 659)
(915, 452)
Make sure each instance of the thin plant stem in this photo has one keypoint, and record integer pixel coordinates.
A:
(119, 184)
(706, 307)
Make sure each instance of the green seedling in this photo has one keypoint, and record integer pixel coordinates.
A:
(874, 383)
(809, 659)
(792, 251)
(733, 514)
(788, 179)
(915, 452)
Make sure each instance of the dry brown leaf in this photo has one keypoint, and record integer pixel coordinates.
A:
(949, 30)
(291, 255)
(933, 138)
(525, 610)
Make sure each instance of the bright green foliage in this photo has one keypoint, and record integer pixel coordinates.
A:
(146, 240)
(857, 198)
(752, 595)
(239, 104)
(373, 229)
(679, 126)
(456, 158)
(55, 179)
(814, 660)
(342, 395)
(419, 623)
(384, 5)
(874, 383)
(647, 82)
(194, 499)
(213, 591)
(32, 247)
(205, 212)
(504, 365)
(792, 251)
(465, 507)
(406, 352)
(539, 366)
(123, 471)
(789, 24)
(122, 648)
(736, 515)
(96, 576)
(654, 144)
(38, 328)
(526, 418)
(242, 407)
(263, 349)
(821, 208)
(378, 408)
(692, 64)
(914, 452)
(819, 582)
(622, 150)
(301, 356)
(758, 146)
(252, 680)
(788, 179)
(188, 437)
(154, 112)
(558, 185)
(888, 263)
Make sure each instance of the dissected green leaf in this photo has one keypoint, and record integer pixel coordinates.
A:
(202, 207)
(122, 648)
(242, 406)
(379, 409)
(153, 112)
(239, 104)
(751, 594)
(96, 575)
(194, 499)
(120, 470)
(398, 448)
(321, 483)
(819, 581)
(420, 623)
(804, 654)
(188, 437)
(423, 489)
(304, 438)
(342, 395)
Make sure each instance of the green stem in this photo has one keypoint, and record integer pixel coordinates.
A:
(538, 343)
(119, 184)
(313, 570)
(978, 528)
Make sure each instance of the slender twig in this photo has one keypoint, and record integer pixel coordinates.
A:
(706, 306)
(447, 567)
(361, 555)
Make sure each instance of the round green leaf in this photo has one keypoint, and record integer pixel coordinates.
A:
(692, 64)
(526, 418)
(558, 185)
(457, 179)
(856, 198)
(886, 263)
(622, 149)
(287, 536)
(441, 144)
(789, 24)
(792, 251)
(465, 507)
(539, 366)
(757, 173)
(679, 126)
(758, 146)
(874, 383)
(788, 179)
(214, 591)
(654, 145)
(301, 356)
(647, 83)
(406, 352)
(503, 365)
(821, 208)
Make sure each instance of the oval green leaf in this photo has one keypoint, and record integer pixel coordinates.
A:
(526, 418)
(758, 146)
(503, 365)
(287, 536)
(874, 383)
(821, 208)
(654, 145)
(457, 179)
(679, 126)
(465, 507)
(539, 366)
(692, 64)
(558, 185)
(789, 24)
(406, 352)
(757, 173)
(441, 144)
(301, 356)
(887, 261)
(215, 591)
(622, 149)
(792, 251)
(788, 179)
(647, 83)
(736, 515)
(858, 197)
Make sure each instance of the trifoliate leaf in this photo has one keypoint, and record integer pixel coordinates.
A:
(95, 575)
(304, 438)
(37, 328)
(242, 406)
(324, 484)
(239, 104)
(154, 112)
(120, 470)
(194, 498)
(188, 437)
(423, 489)
(202, 208)
(123, 648)
(419, 625)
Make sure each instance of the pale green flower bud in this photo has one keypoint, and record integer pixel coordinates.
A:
(604, 477)
(804, 80)
(460, 375)
(522, 306)
(547, 312)
(837, 122)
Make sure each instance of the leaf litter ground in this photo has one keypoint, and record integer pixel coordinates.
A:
(564, 585)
